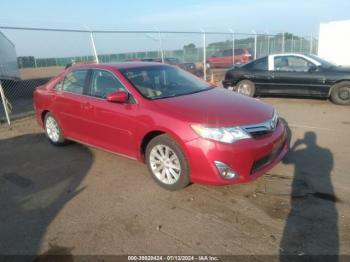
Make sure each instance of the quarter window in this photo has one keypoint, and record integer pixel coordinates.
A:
(259, 64)
(104, 83)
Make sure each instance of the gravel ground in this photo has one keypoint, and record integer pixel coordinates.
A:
(80, 200)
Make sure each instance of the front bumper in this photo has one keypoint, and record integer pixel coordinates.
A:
(249, 158)
(228, 83)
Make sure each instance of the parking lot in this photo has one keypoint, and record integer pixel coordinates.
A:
(80, 200)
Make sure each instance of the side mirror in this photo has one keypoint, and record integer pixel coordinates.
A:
(118, 97)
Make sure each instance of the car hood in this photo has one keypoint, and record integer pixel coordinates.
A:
(216, 107)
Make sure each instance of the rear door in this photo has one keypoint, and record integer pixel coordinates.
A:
(112, 125)
(67, 103)
(295, 75)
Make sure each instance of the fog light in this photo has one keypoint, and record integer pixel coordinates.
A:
(225, 171)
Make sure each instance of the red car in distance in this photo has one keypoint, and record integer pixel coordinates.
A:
(223, 59)
(183, 128)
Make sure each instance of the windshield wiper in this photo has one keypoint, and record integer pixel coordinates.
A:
(183, 94)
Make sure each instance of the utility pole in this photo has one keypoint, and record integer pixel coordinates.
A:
(94, 47)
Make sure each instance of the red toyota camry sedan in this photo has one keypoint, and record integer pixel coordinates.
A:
(183, 128)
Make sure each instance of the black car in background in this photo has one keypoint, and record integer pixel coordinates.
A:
(291, 75)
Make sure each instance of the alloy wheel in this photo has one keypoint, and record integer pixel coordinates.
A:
(52, 129)
(165, 164)
(244, 89)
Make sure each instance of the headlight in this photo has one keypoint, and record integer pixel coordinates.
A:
(221, 134)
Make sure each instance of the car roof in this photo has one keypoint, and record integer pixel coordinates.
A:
(288, 54)
(118, 66)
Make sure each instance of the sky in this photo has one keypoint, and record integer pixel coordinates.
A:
(298, 16)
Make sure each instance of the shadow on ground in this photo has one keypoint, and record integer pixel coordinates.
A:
(36, 181)
(311, 226)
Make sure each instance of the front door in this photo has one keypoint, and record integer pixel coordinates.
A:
(294, 75)
(112, 125)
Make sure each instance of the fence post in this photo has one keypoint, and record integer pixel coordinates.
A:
(161, 46)
(310, 44)
(94, 47)
(283, 42)
(233, 46)
(255, 42)
(4, 103)
(292, 44)
(268, 43)
(204, 56)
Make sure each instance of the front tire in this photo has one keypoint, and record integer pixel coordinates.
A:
(246, 87)
(167, 163)
(341, 93)
(53, 131)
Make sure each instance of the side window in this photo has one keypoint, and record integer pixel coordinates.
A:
(59, 85)
(73, 82)
(104, 83)
(291, 64)
(298, 64)
(281, 63)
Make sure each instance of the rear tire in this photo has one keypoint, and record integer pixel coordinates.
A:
(245, 87)
(340, 93)
(167, 163)
(53, 131)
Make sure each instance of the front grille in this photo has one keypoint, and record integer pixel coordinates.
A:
(264, 161)
(262, 128)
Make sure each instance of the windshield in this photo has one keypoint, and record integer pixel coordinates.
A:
(323, 62)
(155, 82)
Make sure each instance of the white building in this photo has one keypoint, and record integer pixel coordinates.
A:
(334, 42)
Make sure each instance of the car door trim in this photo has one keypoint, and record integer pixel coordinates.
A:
(101, 148)
(289, 84)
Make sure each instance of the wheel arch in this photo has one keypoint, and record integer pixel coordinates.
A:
(335, 83)
(42, 118)
(43, 114)
(147, 137)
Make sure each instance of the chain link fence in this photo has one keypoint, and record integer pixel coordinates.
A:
(41, 53)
